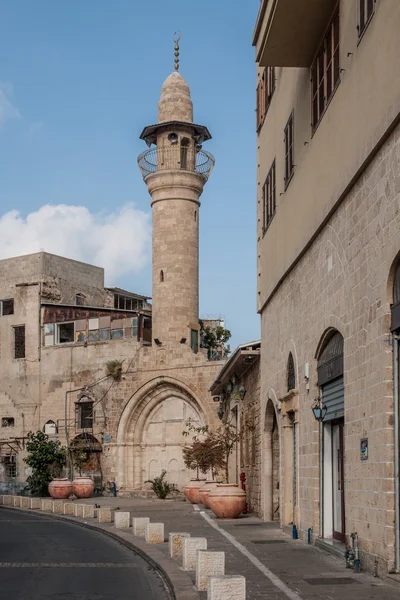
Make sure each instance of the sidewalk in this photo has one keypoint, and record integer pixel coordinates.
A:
(275, 566)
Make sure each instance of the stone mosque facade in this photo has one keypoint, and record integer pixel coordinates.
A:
(60, 327)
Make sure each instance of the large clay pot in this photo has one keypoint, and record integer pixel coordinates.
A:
(204, 492)
(227, 501)
(60, 488)
(191, 490)
(83, 487)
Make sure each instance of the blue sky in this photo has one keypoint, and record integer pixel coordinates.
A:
(78, 82)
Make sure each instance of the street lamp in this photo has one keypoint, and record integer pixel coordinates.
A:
(220, 411)
(242, 392)
(319, 409)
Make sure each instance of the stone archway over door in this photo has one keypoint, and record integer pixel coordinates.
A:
(162, 440)
(271, 461)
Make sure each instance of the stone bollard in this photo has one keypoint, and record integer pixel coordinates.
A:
(58, 507)
(88, 511)
(47, 505)
(35, 503)
(122, 520)
(104, 515)
(154, 533)
(25, 502)
(7, 500)
(189, 551)
(175, 544)
(208, 564)
(16, 501)
(69, 508)
(226, 586)
(139, 525)
(1, 499)
(78, 510)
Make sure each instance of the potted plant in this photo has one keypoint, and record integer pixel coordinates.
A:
(47, 459)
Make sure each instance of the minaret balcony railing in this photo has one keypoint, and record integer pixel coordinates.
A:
(176, 158)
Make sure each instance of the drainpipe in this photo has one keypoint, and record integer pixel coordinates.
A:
(396, 452)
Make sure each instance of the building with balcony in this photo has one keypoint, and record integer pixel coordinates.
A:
(328, 246)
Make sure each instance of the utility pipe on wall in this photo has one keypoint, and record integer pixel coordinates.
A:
(396, 452)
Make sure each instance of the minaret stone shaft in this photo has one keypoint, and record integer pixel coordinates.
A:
(175, 171)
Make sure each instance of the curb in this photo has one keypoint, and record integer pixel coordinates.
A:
(177, 582)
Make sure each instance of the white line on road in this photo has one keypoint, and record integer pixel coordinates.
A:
(273, 578)
(196, 507)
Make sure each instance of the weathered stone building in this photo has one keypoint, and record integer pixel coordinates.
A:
(328, 278)
(59, 327)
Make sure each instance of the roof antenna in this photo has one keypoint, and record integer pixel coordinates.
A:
(177, 37)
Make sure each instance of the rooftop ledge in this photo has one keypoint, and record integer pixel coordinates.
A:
(292, 31)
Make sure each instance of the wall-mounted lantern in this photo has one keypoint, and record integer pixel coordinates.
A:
(220, 411)
(319, 410)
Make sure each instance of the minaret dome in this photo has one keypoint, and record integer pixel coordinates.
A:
(175, 103)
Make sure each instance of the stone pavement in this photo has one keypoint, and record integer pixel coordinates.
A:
(275, 566)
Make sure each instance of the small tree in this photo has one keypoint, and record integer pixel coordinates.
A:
(47, 458)
(214, 338)
(79, 458)
(160, 487)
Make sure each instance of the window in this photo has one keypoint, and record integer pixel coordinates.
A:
(289, 165)
(84, 409)
(265, 91)
(79, 299)
(185, 142)
(10, 465)
(161, 276)
(194, 340)
(325, 73)
(6, 307)
(126, 303)
(269, 198)
(291, 375)
(65, 333)
(366, 9)
(19, 341)
(7, 422)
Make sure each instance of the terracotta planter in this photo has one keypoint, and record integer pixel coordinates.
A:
(191, 490)
(83, 487)
(204, 492)
(60, 488)
(227, 501)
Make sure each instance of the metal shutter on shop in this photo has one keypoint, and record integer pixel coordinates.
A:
(333, 398)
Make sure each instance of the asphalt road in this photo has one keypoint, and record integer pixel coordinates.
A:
(43, 558)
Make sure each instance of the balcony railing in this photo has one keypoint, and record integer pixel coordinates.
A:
(176, 157)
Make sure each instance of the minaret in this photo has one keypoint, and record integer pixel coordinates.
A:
(175, 171)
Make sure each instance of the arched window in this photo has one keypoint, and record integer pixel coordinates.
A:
(396, 285)
(291, 375)
(330, 375)
(395, 324)
(84, 412)
(161, 275)
(50, 428)
(185, 143)
(80, 299)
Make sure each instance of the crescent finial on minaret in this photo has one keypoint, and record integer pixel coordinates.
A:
(177, 37)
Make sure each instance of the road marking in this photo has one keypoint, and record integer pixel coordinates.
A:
(12, 565)
(271, 576)
(196, 507)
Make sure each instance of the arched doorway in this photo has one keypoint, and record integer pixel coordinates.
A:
(331, 384)
(271, 464)
(85, 451)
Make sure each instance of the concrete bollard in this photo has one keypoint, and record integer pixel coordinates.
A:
(8, 500)
(122, 520)
(35, 503)
(88, 511)
(139, 526)
(69, 508)
(47, 505)
(226, 586)
(25, 502)
(78, 510)
(208, 564)
(58, 507)
(175, 544)
(189, 551)
(104, 515)
(154, 533)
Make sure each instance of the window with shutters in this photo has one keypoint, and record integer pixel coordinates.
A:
(325, 71)
(19, 341)
(269, 198)
(289, 163)
(265, 91)
(366, 9)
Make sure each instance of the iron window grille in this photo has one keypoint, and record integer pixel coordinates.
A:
(325, 71)
(10, 465)
(269, 198)
(366, 9)
(6, 307)
(289, 150)
(19, 341)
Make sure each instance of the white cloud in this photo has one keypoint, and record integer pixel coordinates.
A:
(7, 109)
(118, 241)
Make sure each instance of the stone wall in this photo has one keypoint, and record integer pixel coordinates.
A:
(344, 282)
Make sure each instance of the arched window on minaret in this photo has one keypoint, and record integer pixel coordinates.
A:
(195, 215)
(161, 276)
(185, 142)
